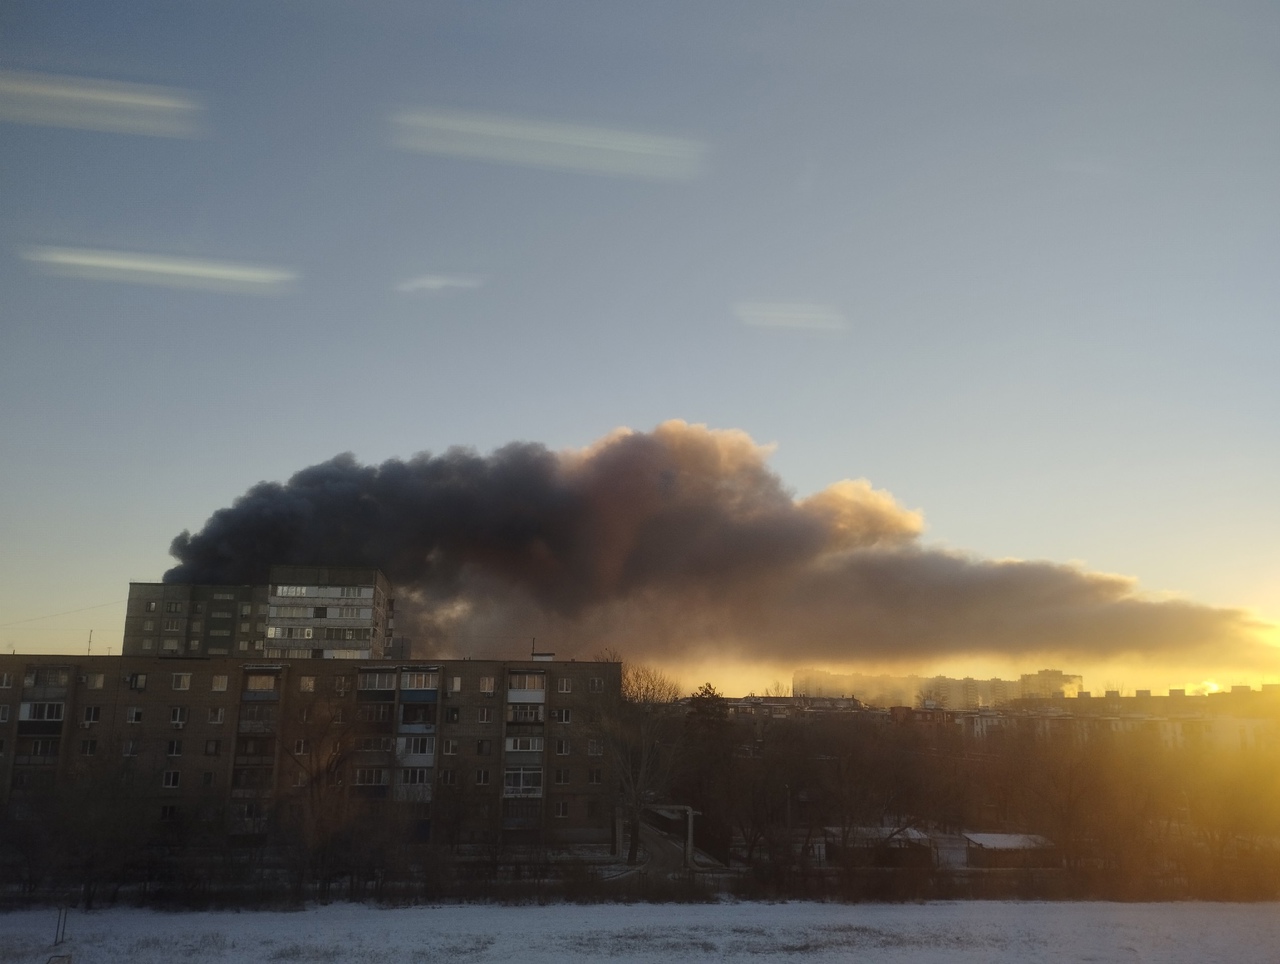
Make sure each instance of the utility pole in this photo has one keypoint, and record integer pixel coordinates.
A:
(90, 652)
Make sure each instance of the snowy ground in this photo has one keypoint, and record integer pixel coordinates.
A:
(954, 933)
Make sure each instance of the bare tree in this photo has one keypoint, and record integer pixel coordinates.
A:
(640, 731)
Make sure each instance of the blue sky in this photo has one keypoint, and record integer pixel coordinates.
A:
(1048, 236)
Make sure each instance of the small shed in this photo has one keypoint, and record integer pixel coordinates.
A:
(879, 846)
(1010, 850)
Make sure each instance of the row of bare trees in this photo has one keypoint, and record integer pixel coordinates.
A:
(1128, 816)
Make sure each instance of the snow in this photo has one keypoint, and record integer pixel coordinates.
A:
(1007, 841)
(955, 933)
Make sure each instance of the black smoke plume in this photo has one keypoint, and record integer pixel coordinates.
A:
(672, 542)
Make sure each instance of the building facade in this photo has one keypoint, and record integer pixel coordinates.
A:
(303, 612)
(459, 751)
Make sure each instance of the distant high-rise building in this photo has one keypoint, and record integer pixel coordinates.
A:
(956, 694)
(304, 612)
(1049, 683)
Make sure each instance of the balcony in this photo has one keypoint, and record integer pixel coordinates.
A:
(522, 791)
(416, 760)
(420, 793)
(257, 726)
(36, 761)
(415, 728)
(255, 761)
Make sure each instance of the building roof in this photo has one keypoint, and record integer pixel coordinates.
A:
(1008, 841)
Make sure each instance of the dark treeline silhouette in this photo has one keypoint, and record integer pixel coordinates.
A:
(1127, 817)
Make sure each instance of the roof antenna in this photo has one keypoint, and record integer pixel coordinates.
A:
(90, 652)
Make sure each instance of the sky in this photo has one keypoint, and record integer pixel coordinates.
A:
(1012, 264)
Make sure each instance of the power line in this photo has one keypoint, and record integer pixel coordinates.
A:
(68, 612)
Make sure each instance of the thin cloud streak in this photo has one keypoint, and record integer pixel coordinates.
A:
(797, 315)
(437, 282)
(99, 105)
(549, 145)
(88, 264)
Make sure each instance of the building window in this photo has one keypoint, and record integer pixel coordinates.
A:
(419, 745)
(171, 778)
(524, 744)
(95, 681)
(130, 747)
(6, 681)
(207, 778)
(448, 778)
(595, 685)
(485, 715)
(168, 812)
(375, 744)
(133, 714)
(340, 685)
(178, 716)
(449, 747)
(306, 684)
(522, 782)
(594, 776)
(151, 607)
(524, 712)
(595, 747)
(482, 778)
(452, 714)
(419, 681)
(260, 683)
(561, 715)
(138, 681)
(377, 681)
(564, 685)
(4, 714)
(172, 625)
(173, 607)
(562, 747)
(300, 748)
(197, 626)
(148, 643)
(212, 747)
(88, 747)
(291, 591)
(486, 685)
(455, 684)
(175, 748)
(374, 713)
(219, 684)
(484, 747)
(415, 777)
(217, 714)
(562, 776)
(526, 681)
(562, 809)
(182, 681)
(92, 714)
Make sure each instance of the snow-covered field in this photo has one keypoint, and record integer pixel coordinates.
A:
(954, 933)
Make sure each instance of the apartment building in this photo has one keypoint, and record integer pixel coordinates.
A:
(459, 750)
(303, 612)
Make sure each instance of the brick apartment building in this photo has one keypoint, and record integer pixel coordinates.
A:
(471, 750)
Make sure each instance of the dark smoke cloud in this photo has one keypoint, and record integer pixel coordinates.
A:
(673, 541)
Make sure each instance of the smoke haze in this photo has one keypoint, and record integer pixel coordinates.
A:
(682, 543)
